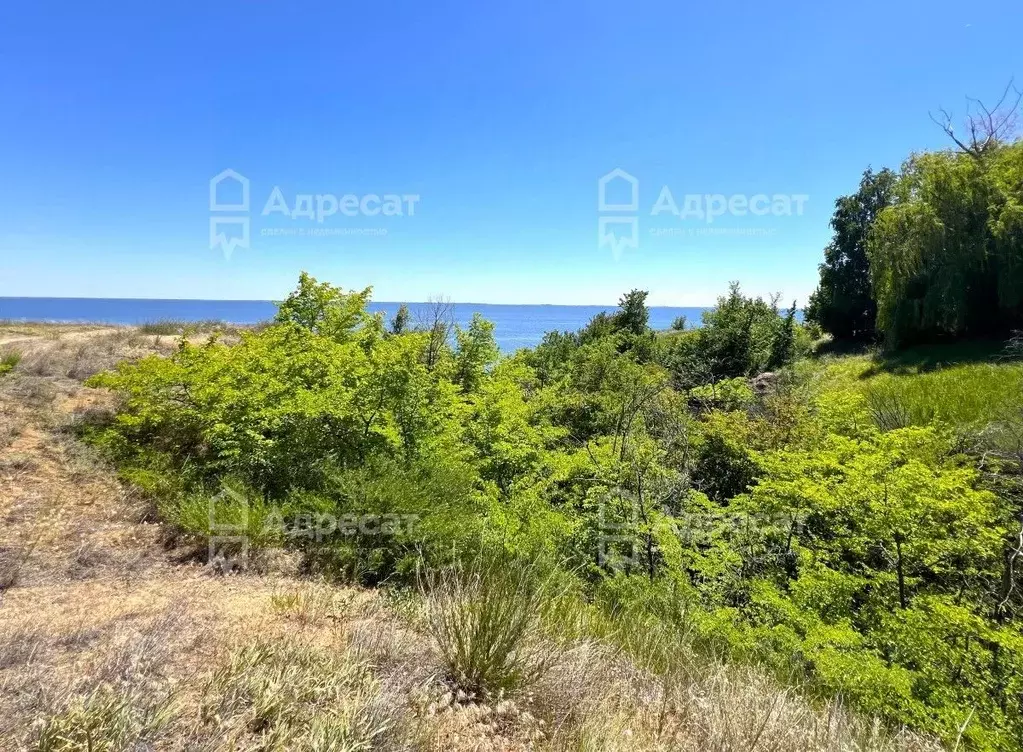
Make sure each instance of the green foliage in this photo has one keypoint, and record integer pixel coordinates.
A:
(107, 720)
(783, 345)
(284, 694)
(822, 521)
(931, 253)
(632, 315)
(475, 351)
(9, 361)
(400, 322)
(946, 255)
(843, 304)
(323, 309)
(552, 357)
(163, 327)
(965, 395)
(724, 465)
(740, 337)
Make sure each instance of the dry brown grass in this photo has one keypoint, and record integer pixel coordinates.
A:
(720, 707)
(64, 515)
(106, 643)
(78, 357)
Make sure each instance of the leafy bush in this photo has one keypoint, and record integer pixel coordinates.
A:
(698, 512)
(740, 337)
(9, 361)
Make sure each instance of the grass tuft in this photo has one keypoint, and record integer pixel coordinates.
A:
(309, 604)
(285, 694)
(162, 327)
(9, 361)
(485, 617)
(108, 720)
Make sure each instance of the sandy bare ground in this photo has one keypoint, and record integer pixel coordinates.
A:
(28, 333)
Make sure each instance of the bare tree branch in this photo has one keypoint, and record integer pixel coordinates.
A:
(985, 127)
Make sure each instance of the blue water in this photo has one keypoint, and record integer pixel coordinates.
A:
(515, 326)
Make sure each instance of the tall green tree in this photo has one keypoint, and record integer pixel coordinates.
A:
(947, 256)
(400, 322)
(843, 304)
(476, 350)
(327, 310)
(633, 315)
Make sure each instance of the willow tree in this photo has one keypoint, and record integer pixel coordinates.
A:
(946, 256)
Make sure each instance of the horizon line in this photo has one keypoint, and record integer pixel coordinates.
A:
(383, 302)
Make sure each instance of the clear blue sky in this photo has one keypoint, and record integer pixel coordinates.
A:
(500, 116)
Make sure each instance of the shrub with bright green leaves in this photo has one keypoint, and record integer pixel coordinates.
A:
(824, 524)
(9, 360)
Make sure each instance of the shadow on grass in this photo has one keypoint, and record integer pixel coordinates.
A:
(836, 348)
(927, 358)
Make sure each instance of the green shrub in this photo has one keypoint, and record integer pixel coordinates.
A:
(9, 361)
(730, 394)
(781, 527)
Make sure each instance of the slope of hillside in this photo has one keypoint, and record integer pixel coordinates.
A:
(113, 638)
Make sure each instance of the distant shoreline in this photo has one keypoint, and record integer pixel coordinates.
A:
(607, 306)
(515, 325)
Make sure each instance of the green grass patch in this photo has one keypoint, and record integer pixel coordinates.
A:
(949, 384)
(107, 719)
(179, 326)
(285, 694)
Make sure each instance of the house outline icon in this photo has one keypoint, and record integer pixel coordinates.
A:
(229, 174)
(618, 174)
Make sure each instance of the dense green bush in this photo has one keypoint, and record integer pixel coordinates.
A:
(822, 521)
(740, 337)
